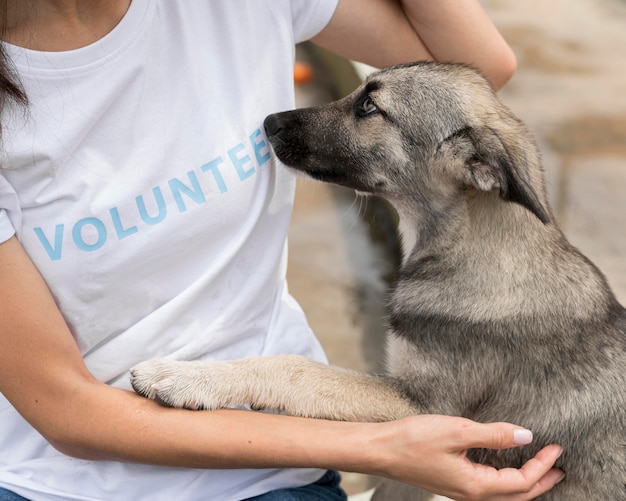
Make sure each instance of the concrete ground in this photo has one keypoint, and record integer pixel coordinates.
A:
(570, 89)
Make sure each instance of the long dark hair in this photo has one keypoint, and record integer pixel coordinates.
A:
(11, 89)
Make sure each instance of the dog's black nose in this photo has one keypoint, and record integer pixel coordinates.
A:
(273, 125)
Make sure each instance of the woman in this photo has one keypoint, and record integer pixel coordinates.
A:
(141, 215)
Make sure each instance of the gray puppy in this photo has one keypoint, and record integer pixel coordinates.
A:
(494, 315)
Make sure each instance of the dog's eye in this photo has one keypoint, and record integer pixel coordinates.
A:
(367, 107)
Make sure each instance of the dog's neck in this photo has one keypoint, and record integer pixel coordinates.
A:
(488, 259)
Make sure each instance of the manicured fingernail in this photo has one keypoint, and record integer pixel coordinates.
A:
(522, 437)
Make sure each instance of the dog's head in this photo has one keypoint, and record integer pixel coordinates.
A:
(423, 130)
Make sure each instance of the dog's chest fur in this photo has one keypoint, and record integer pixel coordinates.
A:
(545, 349)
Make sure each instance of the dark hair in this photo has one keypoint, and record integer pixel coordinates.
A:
(11, 89)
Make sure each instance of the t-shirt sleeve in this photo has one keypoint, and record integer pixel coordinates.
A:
(310, 17)
(6, 228)
(10, 213)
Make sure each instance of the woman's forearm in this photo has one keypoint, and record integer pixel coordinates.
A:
(387, 32)
(132, 428)
(461, 31)
(420, 450)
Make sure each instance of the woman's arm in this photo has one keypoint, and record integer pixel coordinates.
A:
(387, 32)
(43, 375)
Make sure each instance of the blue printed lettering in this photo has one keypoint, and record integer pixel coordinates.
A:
(54, 253)
(239, 163)
(143, 212)
(261, 158)
(77, 234)
(195, 192)
(90, 233)
(213, 167)
(119, 228)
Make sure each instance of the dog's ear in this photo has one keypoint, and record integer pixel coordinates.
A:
(492, 166)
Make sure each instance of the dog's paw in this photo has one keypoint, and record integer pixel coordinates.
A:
(190, 385)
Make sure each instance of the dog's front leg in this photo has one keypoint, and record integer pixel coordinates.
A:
(288, 383)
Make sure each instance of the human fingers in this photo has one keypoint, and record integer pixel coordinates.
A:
(474, 435)
(536, 477)
(539, 471)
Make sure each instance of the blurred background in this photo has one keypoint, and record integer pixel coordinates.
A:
(570, 90)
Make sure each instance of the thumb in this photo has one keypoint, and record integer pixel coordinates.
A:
(497, 436)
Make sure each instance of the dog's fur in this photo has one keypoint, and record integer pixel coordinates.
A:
(494, 316)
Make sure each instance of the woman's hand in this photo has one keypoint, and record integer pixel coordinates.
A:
(431, 452)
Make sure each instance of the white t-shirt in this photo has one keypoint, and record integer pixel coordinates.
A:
(140, 182)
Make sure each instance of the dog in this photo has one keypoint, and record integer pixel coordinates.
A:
(494, 315)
